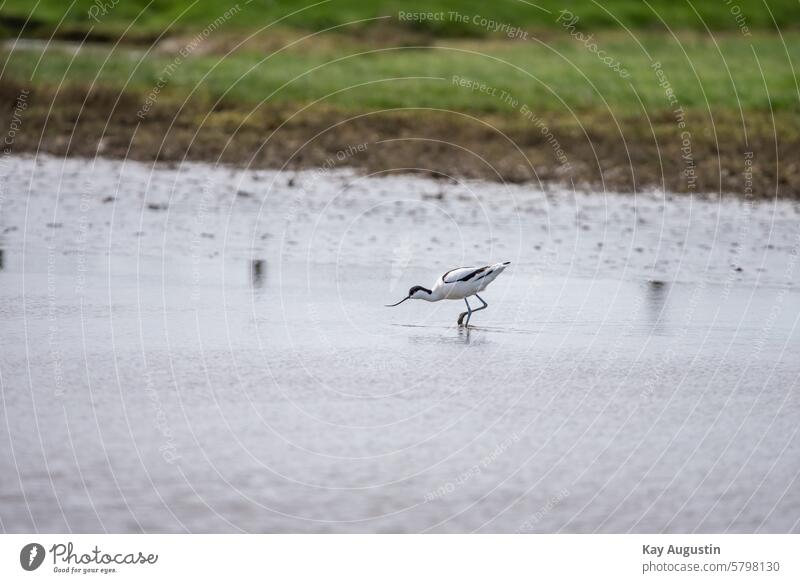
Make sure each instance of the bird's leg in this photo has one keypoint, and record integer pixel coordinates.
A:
(468, 313)
(483, 307)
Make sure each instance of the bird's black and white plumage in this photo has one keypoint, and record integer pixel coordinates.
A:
(457, 284)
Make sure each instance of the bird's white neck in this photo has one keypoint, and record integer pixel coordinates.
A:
(434, 296)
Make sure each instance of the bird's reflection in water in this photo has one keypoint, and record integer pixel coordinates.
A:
(656, 293)
(461, 336)
(258, 273)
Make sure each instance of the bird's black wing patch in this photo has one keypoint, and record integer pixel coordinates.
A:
(466, 276)
(444, 277)
(473, 274)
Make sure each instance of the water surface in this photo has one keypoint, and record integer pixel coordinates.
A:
(203, 349)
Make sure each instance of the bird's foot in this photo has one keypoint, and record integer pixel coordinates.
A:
(461, 319)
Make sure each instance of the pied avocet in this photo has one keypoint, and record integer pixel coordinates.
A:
(458, 284)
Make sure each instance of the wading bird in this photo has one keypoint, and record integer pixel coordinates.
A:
(458, 284)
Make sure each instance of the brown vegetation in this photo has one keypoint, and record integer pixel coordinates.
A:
(599, 153)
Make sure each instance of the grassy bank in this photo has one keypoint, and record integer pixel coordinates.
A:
(559, 74)
(618, 107)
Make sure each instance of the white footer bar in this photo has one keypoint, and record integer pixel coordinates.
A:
(400, 558)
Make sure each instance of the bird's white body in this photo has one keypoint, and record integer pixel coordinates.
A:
(458, 284)
(464, 282)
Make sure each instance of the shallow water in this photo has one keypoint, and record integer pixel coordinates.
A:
(202, 349)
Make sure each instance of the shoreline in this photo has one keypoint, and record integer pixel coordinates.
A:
(593, 153)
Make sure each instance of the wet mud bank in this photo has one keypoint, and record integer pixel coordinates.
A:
(728, 154)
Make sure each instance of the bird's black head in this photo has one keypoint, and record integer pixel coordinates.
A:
(418, 288)
(415, 293)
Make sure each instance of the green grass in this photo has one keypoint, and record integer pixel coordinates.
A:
(537, 74)
(160, 14)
